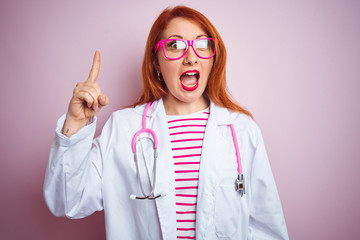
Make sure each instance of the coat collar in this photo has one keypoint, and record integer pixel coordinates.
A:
(220, 115)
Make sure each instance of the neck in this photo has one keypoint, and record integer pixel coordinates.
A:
(176, 107)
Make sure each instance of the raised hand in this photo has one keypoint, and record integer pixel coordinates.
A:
(86, 102)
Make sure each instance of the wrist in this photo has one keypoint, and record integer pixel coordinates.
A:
(71, 126)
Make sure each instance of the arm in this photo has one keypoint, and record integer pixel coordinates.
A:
(73, 177)
(72, 185)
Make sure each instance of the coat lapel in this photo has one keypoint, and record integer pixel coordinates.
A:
(165, 179)
(212, 153)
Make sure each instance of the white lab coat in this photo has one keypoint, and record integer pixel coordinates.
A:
(86, 175)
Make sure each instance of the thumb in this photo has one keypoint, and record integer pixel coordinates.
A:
(103, 100)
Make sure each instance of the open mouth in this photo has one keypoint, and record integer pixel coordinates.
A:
(190, 80)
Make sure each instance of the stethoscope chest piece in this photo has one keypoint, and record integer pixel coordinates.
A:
(240, 184)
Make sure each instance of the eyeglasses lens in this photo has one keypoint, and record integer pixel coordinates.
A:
(176, 48)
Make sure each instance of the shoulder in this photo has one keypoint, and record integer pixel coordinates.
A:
(126, 118)
(244, 125)
(128, 113)
(224, 116)
(245, 121)
(135, 114)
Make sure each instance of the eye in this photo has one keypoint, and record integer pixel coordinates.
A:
(175, 45)
(202, 44)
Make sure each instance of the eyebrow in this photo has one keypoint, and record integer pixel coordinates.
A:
(180, 37)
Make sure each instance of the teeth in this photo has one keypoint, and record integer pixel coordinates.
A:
(191, 73)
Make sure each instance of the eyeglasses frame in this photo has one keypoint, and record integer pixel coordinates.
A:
(188, 44)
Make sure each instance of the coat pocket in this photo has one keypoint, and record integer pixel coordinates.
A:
(228, 211)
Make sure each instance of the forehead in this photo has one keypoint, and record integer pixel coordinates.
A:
(183, 27)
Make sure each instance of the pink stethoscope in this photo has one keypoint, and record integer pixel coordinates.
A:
(239, 182)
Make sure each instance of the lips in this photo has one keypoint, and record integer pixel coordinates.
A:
(190, 80)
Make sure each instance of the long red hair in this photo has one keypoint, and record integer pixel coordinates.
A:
(216, 90)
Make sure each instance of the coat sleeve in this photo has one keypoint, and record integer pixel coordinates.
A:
(266, 216)
(72, 186)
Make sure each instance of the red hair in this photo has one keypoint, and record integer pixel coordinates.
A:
(216, 90)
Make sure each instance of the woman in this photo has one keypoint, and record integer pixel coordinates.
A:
(204, 143)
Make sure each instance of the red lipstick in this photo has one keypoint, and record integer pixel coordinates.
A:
(190, 80)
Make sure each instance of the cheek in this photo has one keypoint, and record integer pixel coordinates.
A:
(208, 68)
(169, 71)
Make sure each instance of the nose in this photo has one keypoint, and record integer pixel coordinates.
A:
(190, 57)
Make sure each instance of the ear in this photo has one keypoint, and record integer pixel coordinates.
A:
(156, 65)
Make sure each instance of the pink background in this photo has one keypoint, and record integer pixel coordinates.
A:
(294, 64)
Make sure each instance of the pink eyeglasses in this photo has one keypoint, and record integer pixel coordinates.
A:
(175, 49)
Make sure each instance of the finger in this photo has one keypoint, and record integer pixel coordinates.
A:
(94, 105)
(91, 88)
(93, 85)
(103, 100)
(85, 96)
(94, 72)
(92, 91)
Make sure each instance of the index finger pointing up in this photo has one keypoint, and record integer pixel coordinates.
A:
(94, 72)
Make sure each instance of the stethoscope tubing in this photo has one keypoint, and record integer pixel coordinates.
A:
(133, 146)
(239, 182)
(144, 129)
(237, 151)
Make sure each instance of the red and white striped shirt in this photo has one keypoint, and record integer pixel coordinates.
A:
(186, 135)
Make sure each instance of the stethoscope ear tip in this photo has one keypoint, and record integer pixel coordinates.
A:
(132, 197)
